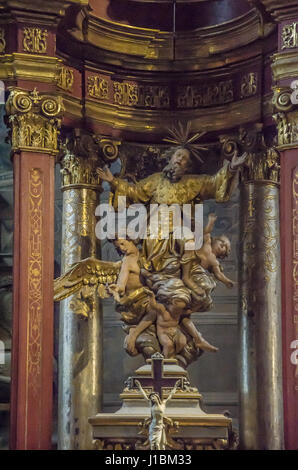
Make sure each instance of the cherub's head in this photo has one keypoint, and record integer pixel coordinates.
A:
(125, 245)
(221, 246)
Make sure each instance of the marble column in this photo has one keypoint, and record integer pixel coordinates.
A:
(80, 335)
(261, 406)
(35, 119)
(286, 118)
(260, 349)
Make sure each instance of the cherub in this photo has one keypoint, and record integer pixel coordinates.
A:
(213, 249)
(129, 279)
(171, 317)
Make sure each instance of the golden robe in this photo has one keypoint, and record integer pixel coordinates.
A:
(158, 189)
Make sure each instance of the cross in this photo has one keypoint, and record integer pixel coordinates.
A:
(157, 381)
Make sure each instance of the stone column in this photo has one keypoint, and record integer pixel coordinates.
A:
(80, 335)
(35, 120)
(261, 400)
(285, 72)
(286, 118)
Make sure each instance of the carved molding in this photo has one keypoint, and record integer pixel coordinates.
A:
(35, 120)
(280, 9)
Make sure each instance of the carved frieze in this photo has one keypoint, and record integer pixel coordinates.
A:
(196, 96)
(151, 96)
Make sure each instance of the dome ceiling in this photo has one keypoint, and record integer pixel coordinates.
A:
(164, 14)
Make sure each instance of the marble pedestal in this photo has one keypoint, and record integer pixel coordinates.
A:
(188, 427)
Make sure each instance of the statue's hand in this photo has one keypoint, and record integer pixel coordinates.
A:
(130, 343)
(212, 217)
(138, 384)
(238, 161)
(230, 284)
(105, 174)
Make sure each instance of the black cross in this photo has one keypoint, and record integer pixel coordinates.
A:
(157, 381)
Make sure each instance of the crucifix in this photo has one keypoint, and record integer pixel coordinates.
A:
(157, 381)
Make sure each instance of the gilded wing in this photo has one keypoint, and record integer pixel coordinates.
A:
(89, 272)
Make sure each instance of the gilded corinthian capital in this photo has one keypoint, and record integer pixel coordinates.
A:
(285, 102)
(263, 161)
(35, 120)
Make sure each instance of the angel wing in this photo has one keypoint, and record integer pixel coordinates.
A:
(89, 272)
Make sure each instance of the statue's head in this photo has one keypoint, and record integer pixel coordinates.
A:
(125, 245)
(154, 398)
(221, 246)
(180, 163)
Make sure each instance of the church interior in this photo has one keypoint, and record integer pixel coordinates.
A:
(97, 96)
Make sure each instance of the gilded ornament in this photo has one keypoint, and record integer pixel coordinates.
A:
(196, 96)
(249, 85)
(98, 87)
(141, 96)
(2, 40)
(35, 40)
(65, 79)
(286, 116)
(35, 289)
(289, 36)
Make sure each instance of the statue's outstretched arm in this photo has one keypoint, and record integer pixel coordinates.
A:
(173, 391)
(142, 390)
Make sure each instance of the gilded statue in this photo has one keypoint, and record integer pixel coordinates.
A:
(161, 281)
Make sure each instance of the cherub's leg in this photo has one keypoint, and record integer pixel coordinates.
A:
(181, 341)
(168, 347)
